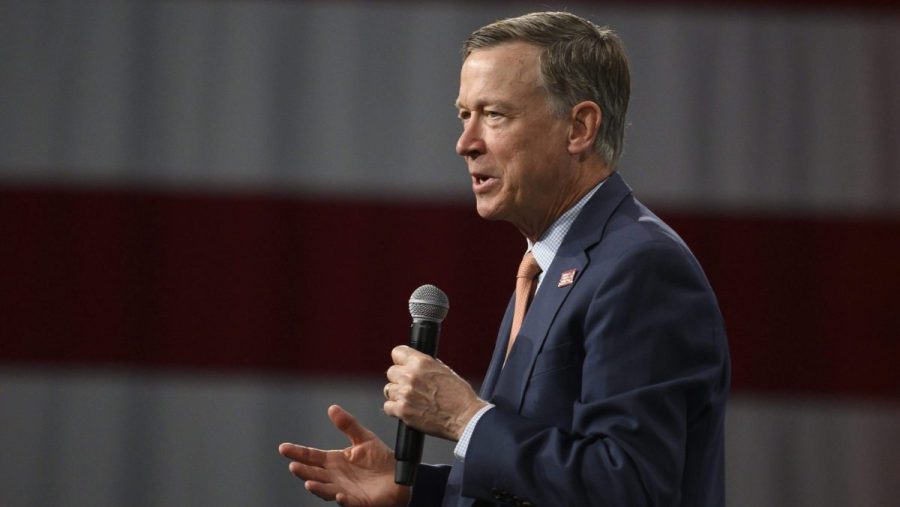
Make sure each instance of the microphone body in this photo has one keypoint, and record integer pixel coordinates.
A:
(428, 306)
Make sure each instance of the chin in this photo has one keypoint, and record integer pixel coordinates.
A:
(487, 212)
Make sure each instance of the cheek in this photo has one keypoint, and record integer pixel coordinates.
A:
(526, 159)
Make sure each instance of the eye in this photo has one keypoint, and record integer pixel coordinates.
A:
(492, 114)
(463, 115)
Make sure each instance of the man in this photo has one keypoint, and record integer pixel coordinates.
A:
(612, 391)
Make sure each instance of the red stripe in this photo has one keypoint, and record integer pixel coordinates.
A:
(811, 304)
(299, 285)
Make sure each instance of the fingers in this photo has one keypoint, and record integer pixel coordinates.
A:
(407, 361)
(402, 353)
(393, 374)
(329, 492)
(389, 408)
(344, 421)
(306, 455)
(308, 464)
(309, 473)
(322, 490)
(394, 391)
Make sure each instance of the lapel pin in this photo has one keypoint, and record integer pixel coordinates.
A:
(566, 278)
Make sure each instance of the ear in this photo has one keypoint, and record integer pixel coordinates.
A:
(586, 118)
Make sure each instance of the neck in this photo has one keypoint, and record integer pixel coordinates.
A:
(583, 185)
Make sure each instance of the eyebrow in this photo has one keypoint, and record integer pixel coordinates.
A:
(482, 103)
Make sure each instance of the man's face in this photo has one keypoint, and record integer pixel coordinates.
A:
(515, 147)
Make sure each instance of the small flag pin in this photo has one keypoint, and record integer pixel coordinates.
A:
(566, 278)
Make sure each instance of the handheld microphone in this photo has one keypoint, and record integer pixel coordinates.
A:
(428, 306)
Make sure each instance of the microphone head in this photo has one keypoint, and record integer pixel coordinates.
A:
(428, 303)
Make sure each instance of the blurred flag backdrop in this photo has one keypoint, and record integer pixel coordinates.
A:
(194, 194)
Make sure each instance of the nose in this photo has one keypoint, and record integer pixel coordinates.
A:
(470, 142)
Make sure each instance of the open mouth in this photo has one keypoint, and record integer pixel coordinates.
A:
(482, 183)
(481, 178)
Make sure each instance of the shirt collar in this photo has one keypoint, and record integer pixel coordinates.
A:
(544, 250)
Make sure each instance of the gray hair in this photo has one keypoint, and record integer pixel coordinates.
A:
(580, 61)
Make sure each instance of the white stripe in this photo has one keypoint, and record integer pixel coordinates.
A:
(105, 438)
(732, 108)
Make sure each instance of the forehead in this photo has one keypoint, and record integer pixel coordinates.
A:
(507, 71)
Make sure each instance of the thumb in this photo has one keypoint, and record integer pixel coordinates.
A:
(344, 421)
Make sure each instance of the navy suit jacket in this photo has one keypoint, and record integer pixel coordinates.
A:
(614, 391)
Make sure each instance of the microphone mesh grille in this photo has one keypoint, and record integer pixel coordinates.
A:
(428, 303)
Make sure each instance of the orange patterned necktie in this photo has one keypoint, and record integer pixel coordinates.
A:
(526, 282)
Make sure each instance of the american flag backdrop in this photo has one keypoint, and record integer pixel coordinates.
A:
(213, 213)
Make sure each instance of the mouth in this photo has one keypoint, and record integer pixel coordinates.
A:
(482, 182)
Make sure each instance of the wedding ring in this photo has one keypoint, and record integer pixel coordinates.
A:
(386, 387)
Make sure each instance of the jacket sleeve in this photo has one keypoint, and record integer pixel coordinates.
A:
(654, 359)
(428, 489)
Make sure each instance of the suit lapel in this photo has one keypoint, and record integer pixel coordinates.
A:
(507, 383)
(510, 386)
(496, 364)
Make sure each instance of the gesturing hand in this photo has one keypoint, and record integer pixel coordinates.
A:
(360, 475)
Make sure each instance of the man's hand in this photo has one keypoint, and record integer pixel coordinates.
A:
(360, 475)
(427, 395)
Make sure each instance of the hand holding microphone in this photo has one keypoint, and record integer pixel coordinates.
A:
(423, 392)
